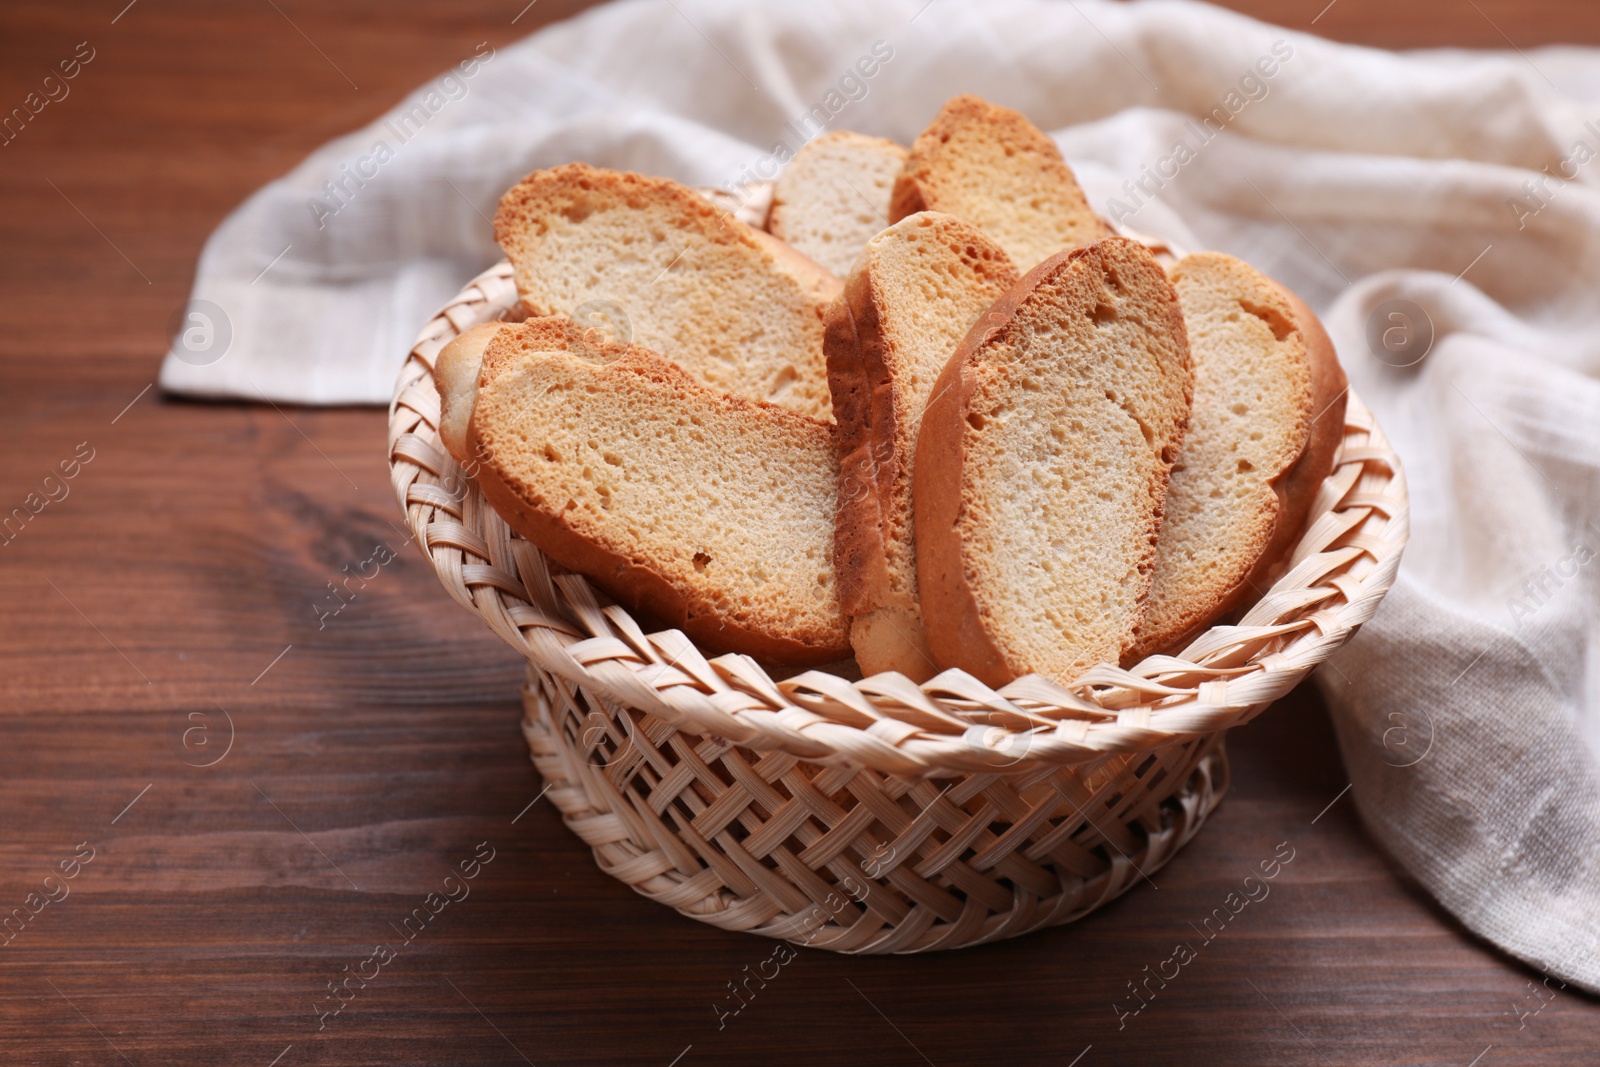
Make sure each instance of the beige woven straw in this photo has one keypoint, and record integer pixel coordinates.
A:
(876, 815)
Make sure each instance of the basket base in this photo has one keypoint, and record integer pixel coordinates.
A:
(849, 859)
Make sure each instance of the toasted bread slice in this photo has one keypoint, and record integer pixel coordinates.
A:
(1329, 391)
(1042, 467)
(834, 195)
(916, 289)
(455, 375)
(1263, 371)
(1000, 172)
(711, 512)
(733, 306)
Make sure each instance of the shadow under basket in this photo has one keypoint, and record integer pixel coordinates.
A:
(876, 815)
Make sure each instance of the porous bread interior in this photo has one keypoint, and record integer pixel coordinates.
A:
(934, 275)
(1078, 407)
(693, 283)
(994, 168)
(834, 195)
(931, 275)
(1248, 424)
(729, 502)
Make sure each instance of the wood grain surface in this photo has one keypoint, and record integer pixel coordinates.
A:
(266, 796)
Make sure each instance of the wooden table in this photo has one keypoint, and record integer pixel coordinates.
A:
(173, 590)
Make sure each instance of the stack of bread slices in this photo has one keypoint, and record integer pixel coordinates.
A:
(936, 414)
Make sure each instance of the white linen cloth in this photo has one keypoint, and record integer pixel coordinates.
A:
(1468, 710)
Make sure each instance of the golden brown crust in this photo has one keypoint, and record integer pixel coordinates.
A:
(885, 636)
(855, 367)
(633, 583)
(455, 376)
(955, 624)
(908, 198)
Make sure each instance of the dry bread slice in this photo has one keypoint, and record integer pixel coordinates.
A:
(1232, 507)
(735, 307)
(1329, 391)
(1000, 172)
(455, 375)
(834, 195)
(1298, 488)
(711, 512)
(1042, 466)
(915, 290)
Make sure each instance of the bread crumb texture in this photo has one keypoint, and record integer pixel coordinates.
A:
(1000, 172)
(1076, 411)
(1249, 423)
(691, 282)
(833, 196)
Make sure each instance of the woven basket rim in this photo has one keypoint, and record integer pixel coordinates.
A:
(1344, 563)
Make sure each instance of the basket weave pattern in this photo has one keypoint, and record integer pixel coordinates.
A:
(876, 815)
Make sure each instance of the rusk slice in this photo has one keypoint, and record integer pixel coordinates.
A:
(1232, 505)
(1042, 466)
(834, 195)
(711, 512)
(1329, 391)
(735, 307)
(916, 289)
(455, 375)
(1000, 172)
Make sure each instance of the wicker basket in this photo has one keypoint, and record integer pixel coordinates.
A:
(876, 815)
